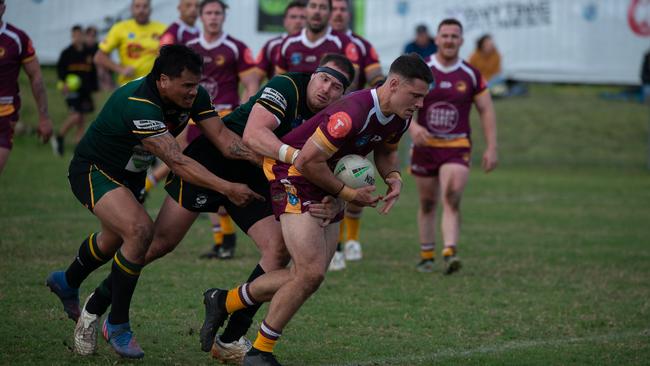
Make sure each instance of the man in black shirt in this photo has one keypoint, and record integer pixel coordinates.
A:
(77, 76)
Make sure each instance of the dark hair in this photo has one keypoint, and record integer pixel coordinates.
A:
(76, 28)
(294, 4)
(175, 58)
(340, 61)
(91, 28)
(450, 21)
(329, 2)
(410, 67)
(421, 28)
(224, 6)
(481, 41)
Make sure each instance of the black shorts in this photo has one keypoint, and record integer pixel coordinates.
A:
(89, 183)
(199, 199)
(80, 102)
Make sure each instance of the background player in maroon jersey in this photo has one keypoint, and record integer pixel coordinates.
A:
(370, 72)
(442, 145)
(359, 123)
(226, 62)
(16, 49)
(294, 22)
(302, 52)
(183, 29)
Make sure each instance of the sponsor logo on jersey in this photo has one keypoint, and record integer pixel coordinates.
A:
(445, 84)
(148, 124)
(351, 52)
(296, 58)
(311, 58)
(219, 60)
(461, 86)
(442, 117)
(339, 125)
(2, 52)
(131, 35)
(274, 97)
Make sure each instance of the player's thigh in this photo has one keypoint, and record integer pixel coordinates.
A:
(4, 156)
(305, 241)
(453, 178)
(171, 225)
(331, 239)
(120, 212)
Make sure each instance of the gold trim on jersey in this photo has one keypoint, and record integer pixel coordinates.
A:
(323, 143)
(144, 101)
(267, 104)
(149, 132)
(267, 166)
(206, 112)
(372, 66)
(461, 142)
(246, 72)
(27, 59)
(297, 93)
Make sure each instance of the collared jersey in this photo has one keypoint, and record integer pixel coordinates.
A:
(267, 58)
(368, 57)
(134, 112)
(15, 50)
(225, 61)
(447, 106)
(298, 54)
(352, 125)
(284, 96)
(179, 32)
(137, 45)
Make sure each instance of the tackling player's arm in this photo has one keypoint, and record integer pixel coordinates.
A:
(166, 148)
(228, 142)
(387, 164)
(312, 164)
(488, 117)
(33, 70)
(259, 135)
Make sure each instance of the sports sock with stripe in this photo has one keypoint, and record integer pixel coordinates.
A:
(241, 320)
(428, 250)
(124, 278)
(267, 337)
(88, 259)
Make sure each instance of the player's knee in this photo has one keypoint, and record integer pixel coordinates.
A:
(452, 198)
(140, 233)
(311, 281)
(427, 205)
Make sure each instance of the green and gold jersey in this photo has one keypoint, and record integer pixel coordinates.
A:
(285, 96)
(134, 112)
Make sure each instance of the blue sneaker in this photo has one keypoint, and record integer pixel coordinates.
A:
(69, 296)
(121, 338)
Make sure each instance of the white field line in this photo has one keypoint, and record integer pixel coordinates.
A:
(499, 348)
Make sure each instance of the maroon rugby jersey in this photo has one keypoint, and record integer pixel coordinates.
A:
(267, 57)
(352, 125)
(224, 62)
(368, 57)
(298, 54)
(15, 50)
(447, 107)
(179, 32)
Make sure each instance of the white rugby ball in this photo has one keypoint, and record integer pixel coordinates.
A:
(355, 171)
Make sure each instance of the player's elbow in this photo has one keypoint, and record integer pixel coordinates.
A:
(249, 139)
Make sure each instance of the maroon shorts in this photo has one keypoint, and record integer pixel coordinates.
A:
(7, 130)
(426, 161)
(294, 195)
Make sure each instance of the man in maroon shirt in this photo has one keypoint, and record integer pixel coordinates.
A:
(301, 52)
(294, 22)
(442, 145)
(371, 119)
(183, 29)
(16, 50)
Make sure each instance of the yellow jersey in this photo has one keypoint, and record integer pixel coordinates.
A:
(137, 45)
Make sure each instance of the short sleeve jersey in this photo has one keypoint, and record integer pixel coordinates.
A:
(298, 54)
(268, 55)
(284, 96)
(352, 125)
(225, 61)
(179, 33)
(134, 112)
(447, 107)
(78, 62)
(137, 45)
(15, 50)
(368, 57)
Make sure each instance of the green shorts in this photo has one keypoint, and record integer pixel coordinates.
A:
(89, 183)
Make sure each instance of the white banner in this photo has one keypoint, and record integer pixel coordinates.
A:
(586, 41)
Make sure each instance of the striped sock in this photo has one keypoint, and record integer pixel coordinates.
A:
(267, 337)
(353, 224)
(449, 250)
(428, 250)
(227, 225)
(239, 298)
(88, 259)
(217, 235)
(124, 277)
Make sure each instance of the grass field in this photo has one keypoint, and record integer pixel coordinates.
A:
(556, 248)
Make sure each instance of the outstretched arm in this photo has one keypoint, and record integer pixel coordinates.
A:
(228, 142)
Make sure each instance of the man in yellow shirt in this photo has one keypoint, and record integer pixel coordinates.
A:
(137, 41)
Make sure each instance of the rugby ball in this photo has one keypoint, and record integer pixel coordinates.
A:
(73, 81)
(355, 171)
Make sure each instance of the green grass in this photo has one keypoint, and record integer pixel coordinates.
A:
(555, 243)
